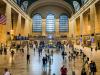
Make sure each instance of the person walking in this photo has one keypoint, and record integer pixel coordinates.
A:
(52, 53)
(12, 53)
(5, 51)
(6, 72)
(63, 55)
(83, 72)
(28, 58)
(63, 70)
(93, 69)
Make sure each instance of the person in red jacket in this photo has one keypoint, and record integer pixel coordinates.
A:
(63, 70)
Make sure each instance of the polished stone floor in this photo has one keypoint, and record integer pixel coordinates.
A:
(94, 55)
(19, 64)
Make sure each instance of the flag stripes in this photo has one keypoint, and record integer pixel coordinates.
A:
(2, 19)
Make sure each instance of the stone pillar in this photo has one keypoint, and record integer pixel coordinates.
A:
(81, 27)
(92, 18)
(70, 29)
(8, 21)
(18, 29)
(57, 27)
(30, 27)
(92, 23)
(26, 28)
(74, 29)
(81, 24)
(43, 27)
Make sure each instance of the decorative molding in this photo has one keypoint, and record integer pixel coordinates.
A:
(83, 9)
(17, 8)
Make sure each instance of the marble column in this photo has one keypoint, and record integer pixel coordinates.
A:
(70, 29)
(30, 27)
(81, 24)
(74, 29)
(97, 19)
(92, 23)
(18, 29)
(43, 27)
(74, 25)
(81, 27)
(57, 28)
(27, 27)
(8, 21)
(92, 18)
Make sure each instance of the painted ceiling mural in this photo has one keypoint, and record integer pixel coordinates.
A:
(76, 4)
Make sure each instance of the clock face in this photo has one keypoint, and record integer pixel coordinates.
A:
(76, 5)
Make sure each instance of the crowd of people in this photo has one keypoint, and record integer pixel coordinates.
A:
(48, 57)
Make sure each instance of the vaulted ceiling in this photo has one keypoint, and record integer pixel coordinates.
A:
(74, 4)
(68, 1)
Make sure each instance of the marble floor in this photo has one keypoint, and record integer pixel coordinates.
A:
(19, 66)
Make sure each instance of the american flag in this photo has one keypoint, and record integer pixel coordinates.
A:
(2, 19)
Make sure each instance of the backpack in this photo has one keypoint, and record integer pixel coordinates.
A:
(91, 66)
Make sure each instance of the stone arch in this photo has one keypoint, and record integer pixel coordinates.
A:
(60, 3)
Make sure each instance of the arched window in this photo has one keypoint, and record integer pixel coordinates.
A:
(37, 23)
(63, 23)
(76, 5)
(50, 23)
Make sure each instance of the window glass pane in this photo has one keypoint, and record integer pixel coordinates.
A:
(37, 23)
(50, 23)
(63, 23)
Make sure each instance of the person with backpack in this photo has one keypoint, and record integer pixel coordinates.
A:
(92, 66)
(95, 68)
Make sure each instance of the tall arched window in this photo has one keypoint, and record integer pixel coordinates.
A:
(63, 23)
(50, 23)
(37, 23)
